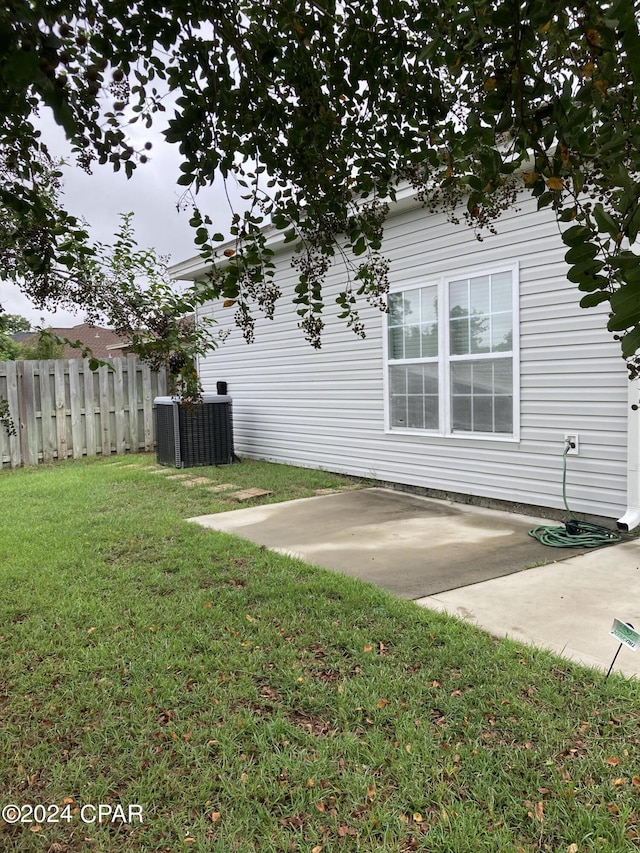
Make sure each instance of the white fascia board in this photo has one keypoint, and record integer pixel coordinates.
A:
(189, 270)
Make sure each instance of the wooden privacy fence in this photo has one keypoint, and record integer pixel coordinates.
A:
(60, 409)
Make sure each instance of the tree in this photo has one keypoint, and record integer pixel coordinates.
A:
(12, 323)
(45, 345)
(9, 349)
(9, 325)
(132, 291)
(321, 108)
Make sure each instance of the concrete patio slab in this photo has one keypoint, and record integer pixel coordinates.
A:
(412, 546)
(566, 607)
(476, 564)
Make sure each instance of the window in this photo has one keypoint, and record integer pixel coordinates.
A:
(413, 349)
(454, 377)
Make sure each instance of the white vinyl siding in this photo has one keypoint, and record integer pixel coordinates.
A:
(329, 408)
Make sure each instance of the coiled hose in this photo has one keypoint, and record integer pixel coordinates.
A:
(574, 533)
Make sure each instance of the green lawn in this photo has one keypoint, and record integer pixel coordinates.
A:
(244, 701)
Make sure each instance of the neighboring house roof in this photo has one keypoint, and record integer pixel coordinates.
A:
(103, 343)
(21, 337)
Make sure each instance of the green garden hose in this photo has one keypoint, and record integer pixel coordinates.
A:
(574, 533)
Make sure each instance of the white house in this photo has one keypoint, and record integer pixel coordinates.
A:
(473, 400)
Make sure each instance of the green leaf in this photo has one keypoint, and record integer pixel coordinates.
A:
(630, 37)
(61, 110)
(581, 253)
(597, 282)
(593, 299)
(585, 269)
(578, 181)
(625, 305)
(21, 68)
(631, 342)
(567, 215)
(628, 265)
(606, 223)
(576, 235)
(633, 225)
(545, 200)
(360, 246)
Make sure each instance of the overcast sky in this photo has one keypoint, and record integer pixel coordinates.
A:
(151, 194)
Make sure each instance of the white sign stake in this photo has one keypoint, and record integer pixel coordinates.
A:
(627, 635)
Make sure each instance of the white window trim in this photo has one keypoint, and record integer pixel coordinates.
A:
(444, 382)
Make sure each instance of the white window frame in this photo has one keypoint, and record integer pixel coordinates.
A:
(445, 360)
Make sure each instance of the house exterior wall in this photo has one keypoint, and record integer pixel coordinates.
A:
(327, 408)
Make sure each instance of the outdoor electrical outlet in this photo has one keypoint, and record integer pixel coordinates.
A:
(573, 440)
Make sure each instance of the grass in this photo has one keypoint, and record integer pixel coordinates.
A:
(246, 701)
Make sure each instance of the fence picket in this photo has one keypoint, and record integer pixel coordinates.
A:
(75, 399)
(47, 412)
(27, 410)
(15, 452)
(119, 411)
(132, 404)
(103, 403)
(89, 410)
(147, 407)
(62, 408)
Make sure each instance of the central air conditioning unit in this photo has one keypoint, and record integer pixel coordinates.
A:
(190, 434)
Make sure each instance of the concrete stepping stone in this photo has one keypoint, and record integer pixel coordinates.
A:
(248, 494)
